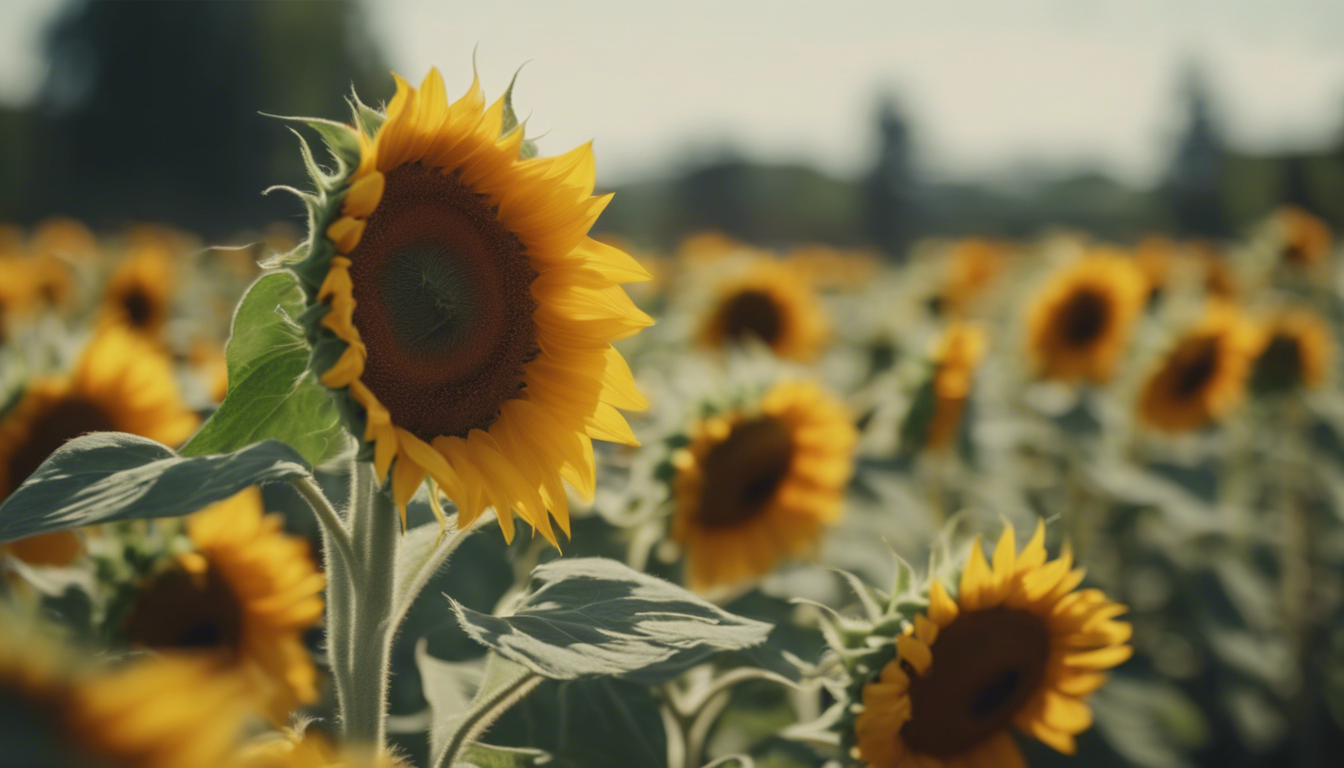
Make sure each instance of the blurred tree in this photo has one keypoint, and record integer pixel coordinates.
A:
(891, 189)
(1197, 172)
(151, 109)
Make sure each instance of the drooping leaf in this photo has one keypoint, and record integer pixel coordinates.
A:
(501, 685)
(272, 393)
(593, 616)
(107, 476)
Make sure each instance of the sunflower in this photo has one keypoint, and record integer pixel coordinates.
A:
(154, 714)
(244, 597)
(14, 292)
(464, 315)
(757, 486)
(955, 359)
(972, 266)
(1020, 646)
(771, 304)
(1203, 375)
(1220, 279)
(121, 383)
(1080, 324)
(1296, 351)
(140, 290)
(1304, 239)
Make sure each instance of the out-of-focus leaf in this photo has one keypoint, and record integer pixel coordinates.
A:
(271, 392)
(593, 616)
(485, 756)
(107, 476)
(1151, 724)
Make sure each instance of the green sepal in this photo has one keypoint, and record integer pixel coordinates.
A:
(528, 149)
(366, 118)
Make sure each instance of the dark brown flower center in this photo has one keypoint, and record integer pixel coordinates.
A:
(743, 472)
(443, 302)
(986, 665)
(179, 610)
(1193, 366)
(752, 314)
(139, 307)
(64, 420)
(1084, 317)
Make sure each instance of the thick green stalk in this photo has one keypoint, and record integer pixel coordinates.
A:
(376, 530)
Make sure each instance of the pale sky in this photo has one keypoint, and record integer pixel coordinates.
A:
(990, 85)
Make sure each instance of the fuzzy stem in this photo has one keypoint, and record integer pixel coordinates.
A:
(377, 531)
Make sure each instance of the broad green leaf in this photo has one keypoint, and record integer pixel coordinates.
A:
(107, 476)
(272, 394)
(593, 616)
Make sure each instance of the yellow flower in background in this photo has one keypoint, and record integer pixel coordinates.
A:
(477, 315)
(1203, 376)
(708, 247)
(1303, 239)
(121, 383)
(1080, 324)
(955, 359)
(151, 714)
(243, 599)
(64, 238)
(1296, 352)
(825, 267)
(140, 291)
(1020, 646)
(770, 304)
(1220, 280)
(1155, 257)
(14, 292)
(756, 486)
(973, 265)
(60, 548)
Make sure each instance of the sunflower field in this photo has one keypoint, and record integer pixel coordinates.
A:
(450, 477)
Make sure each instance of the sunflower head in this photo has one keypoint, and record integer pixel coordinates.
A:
(1203, 376)
(66, 239)
(122, 383)
(1019, 646)
(460, 312)
(241, 600)
(140, 291)
(955, 358)
(1155, 256)
(154, 714)
(758, 484)
(1296, 351)
(770, 304)
(1080, 324)
(1303, 239)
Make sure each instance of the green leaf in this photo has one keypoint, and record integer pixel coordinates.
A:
(480, 755)
(272, 394)
(107, 476)
(593, 616)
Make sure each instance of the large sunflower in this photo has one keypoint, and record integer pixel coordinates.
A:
(121, 383)
(771, 304)
(140, 291)
(154, 714)
(1019, 646)
(1079, 325)
(1203, 375)
(757, 486)
(1296, 352)
(464, 314)
(243, 598)
(955, 360)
